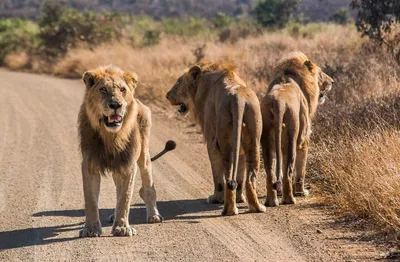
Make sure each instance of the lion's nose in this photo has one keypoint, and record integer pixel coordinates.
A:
(114, 105)
(167, 95)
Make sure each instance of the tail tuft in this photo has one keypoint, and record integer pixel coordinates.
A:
(231, 184)
(170, 145)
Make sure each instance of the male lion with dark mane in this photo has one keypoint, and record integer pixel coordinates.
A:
(287, 110)
(228, 113)
(114, 129)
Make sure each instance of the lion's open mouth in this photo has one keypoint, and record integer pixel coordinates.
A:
(113, 120)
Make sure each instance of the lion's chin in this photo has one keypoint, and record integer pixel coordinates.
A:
(112, 129)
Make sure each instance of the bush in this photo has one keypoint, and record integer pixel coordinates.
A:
(151, 37)
(342, 16)
(63, 28)
(185, 27)
(375, 18)
(239, 30)
(17, 35)
(275, 13)
(221, 20)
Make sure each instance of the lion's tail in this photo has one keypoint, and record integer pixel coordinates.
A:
(237, 113)
(279, 112)
(169, 146)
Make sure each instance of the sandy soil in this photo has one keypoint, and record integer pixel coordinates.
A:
(41, 197)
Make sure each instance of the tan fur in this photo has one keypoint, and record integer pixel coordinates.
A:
(116, 149)
(229, 115)
(287, 111)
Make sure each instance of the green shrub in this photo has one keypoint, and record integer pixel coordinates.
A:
(275, 13)
(63, 28)
(239, 30)
(17, 35)
(342, 16)
(221, 20)
(151, 37)
(185, 27)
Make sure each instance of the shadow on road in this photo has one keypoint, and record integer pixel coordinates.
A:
(35, 236)
(174, 209)
(45, 235)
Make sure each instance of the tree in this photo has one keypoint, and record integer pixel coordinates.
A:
(375, 18)
(275, 13)
(341, 16)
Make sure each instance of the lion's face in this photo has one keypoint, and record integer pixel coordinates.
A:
(325, 83)
(110, 94)
(183, 91)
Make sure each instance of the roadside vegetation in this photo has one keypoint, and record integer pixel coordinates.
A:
(355, 158)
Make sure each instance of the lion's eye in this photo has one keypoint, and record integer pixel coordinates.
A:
(103, 90)
(123, 89)
(177, 82)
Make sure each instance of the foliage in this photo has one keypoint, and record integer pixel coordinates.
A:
(275, 13)
(185, 27)
(151, 37)
(221, 20)
(342, 16)
(63, 28)
(375, 18)
(17, 35)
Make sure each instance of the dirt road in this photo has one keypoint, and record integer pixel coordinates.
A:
(41, 196)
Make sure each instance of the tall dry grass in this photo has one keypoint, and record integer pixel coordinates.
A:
(355, 157)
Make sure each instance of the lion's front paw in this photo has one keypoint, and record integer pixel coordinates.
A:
(216, 198)
(230, 211)
(155, 219)
(90, 231)
(124, 231)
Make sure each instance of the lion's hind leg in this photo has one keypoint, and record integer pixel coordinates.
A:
(251, 144)
(229, 208)
(147, 191)
(289, 164)
(301, 162)
(217, 171)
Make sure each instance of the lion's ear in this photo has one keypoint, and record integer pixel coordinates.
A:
(89, 79)
(194, 72)
(131, 78)
(310, 65)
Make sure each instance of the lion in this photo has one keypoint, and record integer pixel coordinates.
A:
(114, 130)
(228, 113)
(287, 110)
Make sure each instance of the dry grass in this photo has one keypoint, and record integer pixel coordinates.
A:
(355, 156)
(361, 177)
(16, 61)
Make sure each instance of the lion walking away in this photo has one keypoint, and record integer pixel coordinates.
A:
(114, 130)
(287, 111)
(228, 113)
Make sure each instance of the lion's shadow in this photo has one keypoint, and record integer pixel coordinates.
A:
(170, 210)
(174, 209)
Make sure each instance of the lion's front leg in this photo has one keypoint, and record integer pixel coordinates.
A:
(91, 190)
(124, 182)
